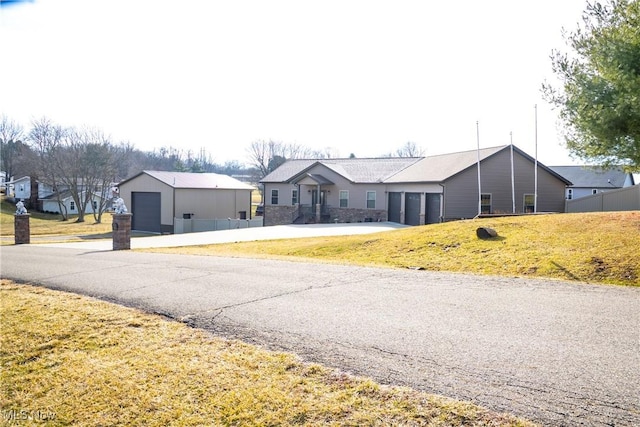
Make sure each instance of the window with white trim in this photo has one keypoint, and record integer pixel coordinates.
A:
(570, 194)
(529, 203)
(294, 197)
(274, 197)
(72, 206)
(371, 199)
(485, 203)
(344, 198)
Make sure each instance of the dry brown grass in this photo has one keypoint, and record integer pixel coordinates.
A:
(594, 247)
(48, 225)
(79, 361)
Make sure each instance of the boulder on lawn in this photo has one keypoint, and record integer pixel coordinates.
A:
(486, 233)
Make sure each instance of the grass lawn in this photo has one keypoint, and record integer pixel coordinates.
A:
(72, 360)
(78, 361)
(42, 224)
(592, 247)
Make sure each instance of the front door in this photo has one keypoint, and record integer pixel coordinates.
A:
(314, 197)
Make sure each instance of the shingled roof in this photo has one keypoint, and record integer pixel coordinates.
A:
(593, 176)
(370, 170)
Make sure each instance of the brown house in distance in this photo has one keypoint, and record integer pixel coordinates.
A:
(412, 191)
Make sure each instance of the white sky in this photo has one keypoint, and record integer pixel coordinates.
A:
(360, 77)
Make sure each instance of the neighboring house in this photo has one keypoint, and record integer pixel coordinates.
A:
(3, 180)
(48, 198)
(411, 191)
(155, 198)
(50, 203)
(589, 180)
(21, 188)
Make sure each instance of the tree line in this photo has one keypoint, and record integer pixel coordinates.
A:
(86, 161)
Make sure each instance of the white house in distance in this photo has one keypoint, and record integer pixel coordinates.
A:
(157, 198)
(48, 198)
(589, 180)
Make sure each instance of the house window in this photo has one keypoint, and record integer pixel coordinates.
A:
(294, 197)
(344, 199)
(529, 203)
(594, 191)
(371, 199)
(485, 203)
(570, 194)
(22, 188)
(72, 206)
(95, 206)
(274, 197)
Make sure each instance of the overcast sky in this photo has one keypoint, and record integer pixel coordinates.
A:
(360, 77)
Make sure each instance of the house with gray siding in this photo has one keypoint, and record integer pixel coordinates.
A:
(412, 191)
(590, 180)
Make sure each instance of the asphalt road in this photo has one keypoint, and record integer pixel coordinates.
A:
(554, 352)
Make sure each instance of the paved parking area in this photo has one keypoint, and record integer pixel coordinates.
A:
(237, 235)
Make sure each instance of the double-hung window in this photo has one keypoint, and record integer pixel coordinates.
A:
(274, 197)
(344, 199)
(529, 203)
(485, 203)
(371, 199)
(294, 197)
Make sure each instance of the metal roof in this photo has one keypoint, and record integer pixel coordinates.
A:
(195, 180)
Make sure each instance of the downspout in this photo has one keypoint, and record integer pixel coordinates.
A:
(173, 214)
(442, 203)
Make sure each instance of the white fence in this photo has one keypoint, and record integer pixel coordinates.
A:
(181, 225)
(624, 199)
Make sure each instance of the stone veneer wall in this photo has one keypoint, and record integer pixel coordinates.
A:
(357, 215)
(280, 215)
(22, 230)
(121, 233)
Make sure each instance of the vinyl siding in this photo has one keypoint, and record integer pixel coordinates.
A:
(461, 195)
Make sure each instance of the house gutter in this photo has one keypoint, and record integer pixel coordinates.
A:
(442, 206)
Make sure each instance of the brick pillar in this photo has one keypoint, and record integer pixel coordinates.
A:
(22, 231)
(121, 227)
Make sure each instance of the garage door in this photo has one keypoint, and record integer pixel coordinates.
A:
(412, 208)
(145, 207)
(433, 208)
(393, 211)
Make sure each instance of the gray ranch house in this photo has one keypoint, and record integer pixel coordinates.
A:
(589, 180)
(412, 191)
(159, 200)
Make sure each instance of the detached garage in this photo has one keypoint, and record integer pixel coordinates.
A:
(155, 198)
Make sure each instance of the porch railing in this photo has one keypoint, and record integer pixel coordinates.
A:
(304, 213)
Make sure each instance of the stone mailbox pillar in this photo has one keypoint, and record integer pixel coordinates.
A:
(22, 231)
(121, 227)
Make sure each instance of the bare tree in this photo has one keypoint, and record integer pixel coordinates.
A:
(82, 162)
(45, 138)
(11, 143)
(409, 149)
(266, 156)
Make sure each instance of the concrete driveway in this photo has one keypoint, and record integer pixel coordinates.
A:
(238, 235)
(555, 352)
